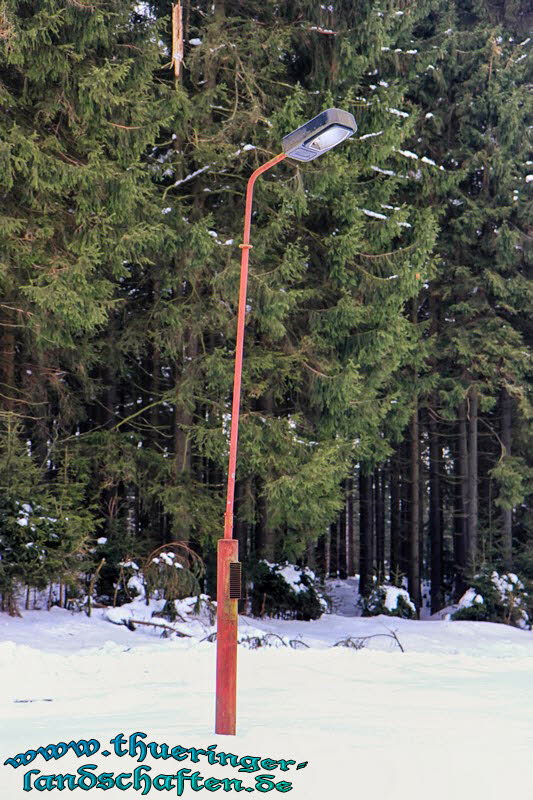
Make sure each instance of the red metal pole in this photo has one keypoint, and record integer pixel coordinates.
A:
(226, 681)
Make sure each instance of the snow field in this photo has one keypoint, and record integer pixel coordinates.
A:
(450, 717)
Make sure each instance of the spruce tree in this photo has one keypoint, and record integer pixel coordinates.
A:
(80, 109)
(474, 102)
(333, 261)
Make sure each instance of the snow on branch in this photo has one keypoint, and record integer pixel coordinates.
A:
(245, 148)
(192, 175)
(369, 135)
(322, 30)
(424, 159)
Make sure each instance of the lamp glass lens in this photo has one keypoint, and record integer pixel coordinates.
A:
(328, 138)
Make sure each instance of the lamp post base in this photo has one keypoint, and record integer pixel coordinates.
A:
(227, 623)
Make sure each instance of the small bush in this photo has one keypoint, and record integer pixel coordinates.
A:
(389, 600)
(172, 572)
(495, 598)
(286, 591)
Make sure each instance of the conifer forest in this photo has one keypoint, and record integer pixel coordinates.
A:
(386, 410)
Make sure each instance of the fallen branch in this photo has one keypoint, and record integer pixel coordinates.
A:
(296, 643)
(258, 641)
(269, 636)
(130, 623)
(358, 642)
(393, 634)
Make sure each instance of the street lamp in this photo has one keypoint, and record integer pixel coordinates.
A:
(306, 143)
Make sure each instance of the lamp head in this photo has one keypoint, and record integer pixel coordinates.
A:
(319, 135)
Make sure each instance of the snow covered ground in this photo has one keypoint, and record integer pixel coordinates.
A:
(451, 717)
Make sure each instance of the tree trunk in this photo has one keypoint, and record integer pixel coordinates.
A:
(380, 523)
(320, 555)
(461, 505)
(350, 539)
(7, 365)
(365, 532)
(435, 500)
(239, 524)
(414, 518)
(182, 446)
(267, 534)
(159, 523)
(421, 502)
(436, 495)
(310, 554)
(40, 400)
(334, 549)
(343, 555)
(183, 420)
(395, 519)
(405, 509)
(266, 538)
(240, 533)
(507, 513)
(472, 482)
(327, 552)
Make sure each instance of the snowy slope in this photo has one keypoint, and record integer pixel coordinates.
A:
(449, 717)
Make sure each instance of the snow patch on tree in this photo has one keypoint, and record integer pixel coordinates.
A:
(495, 598)
(286, 591)
(389, 600)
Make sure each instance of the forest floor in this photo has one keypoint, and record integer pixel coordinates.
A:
(450, 717)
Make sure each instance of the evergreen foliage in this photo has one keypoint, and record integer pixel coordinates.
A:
(283, 590)
(389, 600)
(387, 358)
(495, 598)
(44, 529)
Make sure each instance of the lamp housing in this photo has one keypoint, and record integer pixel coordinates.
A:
(319, 135)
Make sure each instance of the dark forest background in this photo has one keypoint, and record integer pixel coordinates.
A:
(386, 401)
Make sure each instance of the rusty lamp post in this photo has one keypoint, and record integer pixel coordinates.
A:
(311, 140)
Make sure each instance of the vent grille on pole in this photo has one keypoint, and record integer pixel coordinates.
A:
(235, 580)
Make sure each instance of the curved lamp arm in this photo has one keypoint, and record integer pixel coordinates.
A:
(236, 405)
